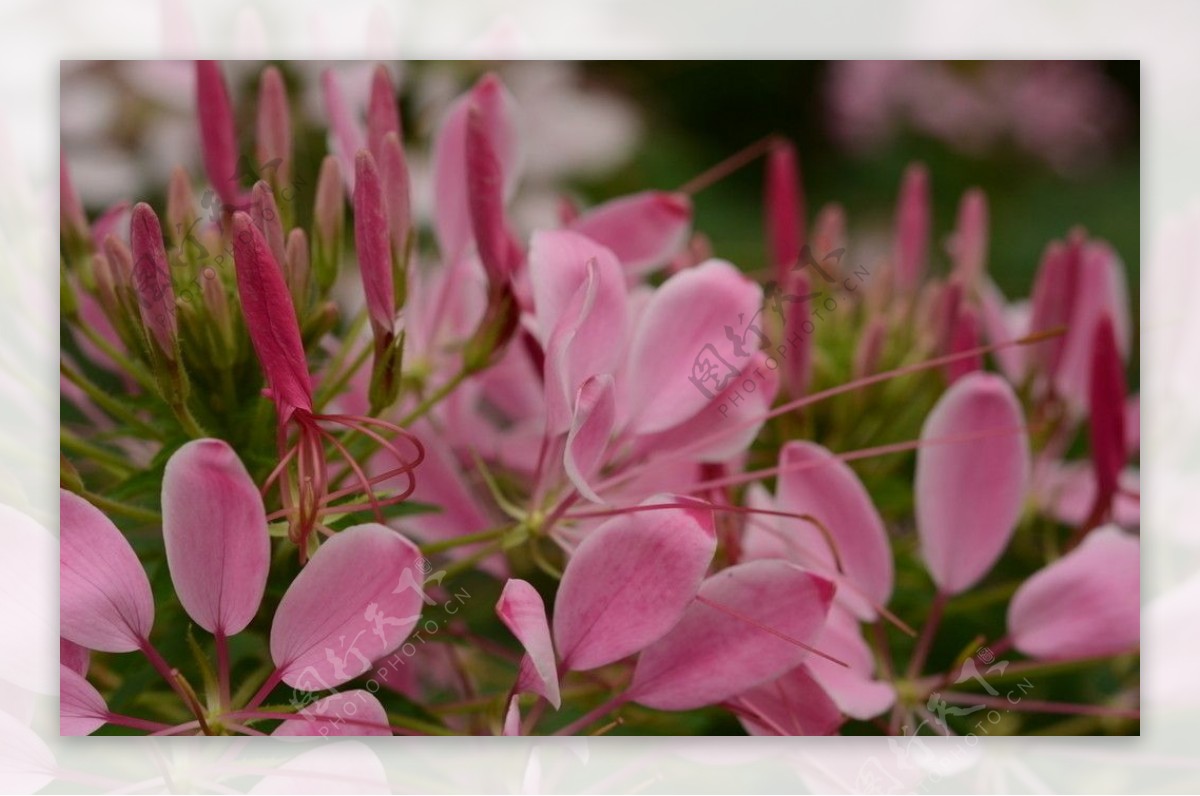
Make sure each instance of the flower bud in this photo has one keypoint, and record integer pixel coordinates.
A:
(273, 132)
(181, 208)
(152, 282)
(297, 271)
(265, 213)
(328, 224)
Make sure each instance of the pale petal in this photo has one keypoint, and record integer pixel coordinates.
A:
(971, 479)
(1086, 604)
(215, 533)
(693, 315)
(815, 482)
(81, 708)
(644, 230)
(522, 611)
(354, 602)
(711, 654)
(794, 704)
(591, 427)
(629, 582)
(105, 601)
(346, 713)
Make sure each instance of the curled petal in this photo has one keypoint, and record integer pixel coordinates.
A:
(644, 230)
(81, 708)
(215, 531)
(354, 712)
(522, 611)
(815, 482)
(355, 601)
(1084, 605)
(591, 428)
(971, 480)
(105, 600)
(629, 582)
(714, 653)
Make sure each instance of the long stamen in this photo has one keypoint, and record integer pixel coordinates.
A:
(729, 165)
(363, 480)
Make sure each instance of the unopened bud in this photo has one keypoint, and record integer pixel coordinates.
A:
(152, 281)
(265, 214)
(181, 207)
(273, 141)
(328, 223)
(297, 271)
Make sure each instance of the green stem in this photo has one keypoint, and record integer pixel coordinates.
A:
(464, 564)
(435, 398)
(466, 539)
(116, 464)
(124, 509)
(108, 403)
(119, 359)
(188, 421)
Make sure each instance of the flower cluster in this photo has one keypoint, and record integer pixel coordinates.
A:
(573, 478)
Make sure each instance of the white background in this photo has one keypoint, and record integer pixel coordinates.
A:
(35, 35)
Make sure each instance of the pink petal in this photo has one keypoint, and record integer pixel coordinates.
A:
(218, 135)
(784, 201)
(853, 689)
(912, 228)
(383, 112)
(152, 278)
(373, 245)
(452, 220)
(215, 532)
(270, 318)
(1054, 292)
(591, 428)
(629, 582)
(644, 230)
(719, 431)
(354, 602)
(971, 480)
(512, 717)
(1084, 605)
(81, 708)
(73, 656)
(815, 482)
(794, 704)
(1106, 416)
(104, 597)
(1133, 423)
(711, 655)
(690, 317)
(522, 611)
(346, 713)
